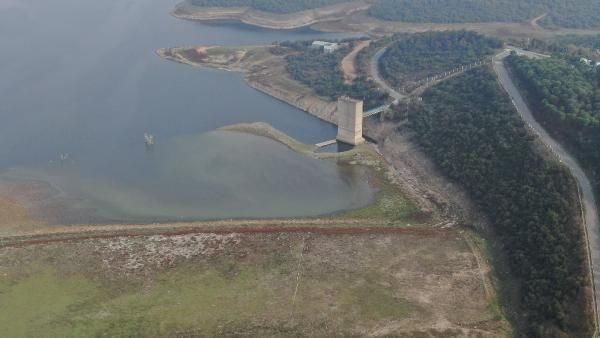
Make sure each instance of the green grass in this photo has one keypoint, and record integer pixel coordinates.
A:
(390, 204)
(376, 302)
(221, 297)
(29, 306)
(500, 284)
(48, 304)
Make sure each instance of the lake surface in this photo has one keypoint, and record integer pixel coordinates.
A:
(81, 78)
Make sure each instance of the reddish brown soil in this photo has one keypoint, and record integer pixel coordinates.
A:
(253, 230)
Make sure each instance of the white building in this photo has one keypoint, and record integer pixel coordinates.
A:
(328, 47)
(586, 61)
(590, 62)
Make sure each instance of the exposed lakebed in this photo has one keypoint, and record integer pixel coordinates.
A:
(91, 85)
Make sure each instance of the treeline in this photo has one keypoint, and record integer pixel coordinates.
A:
(274, 6)
(565, 97)
(414, 57)
(586, 41)
(561, 13)
(469, 128)
(321, 71)
(569, 46)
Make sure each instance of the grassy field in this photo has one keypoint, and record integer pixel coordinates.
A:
(251, 284)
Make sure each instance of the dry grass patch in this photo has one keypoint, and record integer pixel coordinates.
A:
(251, 284)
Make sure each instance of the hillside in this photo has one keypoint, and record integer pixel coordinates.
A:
(472, 132)
(413, 57)
(565, 13)
(565, 97)
(322, 72)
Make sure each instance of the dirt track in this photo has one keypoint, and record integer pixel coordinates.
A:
(47, 238)
(349, 62)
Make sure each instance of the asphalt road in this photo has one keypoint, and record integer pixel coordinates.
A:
(587, 194)
(379, 80)
(588, 199)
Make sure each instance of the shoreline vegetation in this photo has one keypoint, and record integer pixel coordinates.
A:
(286, 73)
(263, 70)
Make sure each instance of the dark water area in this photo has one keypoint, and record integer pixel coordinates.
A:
(82, 78)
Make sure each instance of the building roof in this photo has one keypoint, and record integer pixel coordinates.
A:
(324, 43)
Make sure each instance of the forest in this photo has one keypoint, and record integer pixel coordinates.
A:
(414, 57)
(321, 71)
(586, 41)
(563, 13)
(470, 130)
(274, 6)
(565, 96)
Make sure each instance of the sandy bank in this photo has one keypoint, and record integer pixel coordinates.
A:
(185, 10)
(268, 131)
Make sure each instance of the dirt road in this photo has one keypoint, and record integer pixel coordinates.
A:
(588, 198)
(349, 62)
(535, 21)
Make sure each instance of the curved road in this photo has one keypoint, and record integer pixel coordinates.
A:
(588, 199)
(379, 80)
(590, 212)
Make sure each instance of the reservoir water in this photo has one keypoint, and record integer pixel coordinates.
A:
(81, 78)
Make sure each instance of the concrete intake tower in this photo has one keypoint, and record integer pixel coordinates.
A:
(350, 118)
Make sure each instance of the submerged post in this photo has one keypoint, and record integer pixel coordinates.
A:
(350, 118)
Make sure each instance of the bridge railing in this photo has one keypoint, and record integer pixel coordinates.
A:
(443, 75)
(374, 111)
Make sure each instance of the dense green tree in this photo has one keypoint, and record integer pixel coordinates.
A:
(413, 57)
(321, 71)
(561, 13)
(565, 97)
(587, 41)
(470, 129)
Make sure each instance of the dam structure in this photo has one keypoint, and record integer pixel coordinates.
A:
(350, 121)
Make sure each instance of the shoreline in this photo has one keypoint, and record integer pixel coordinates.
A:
(263, 129)
(352, 17)
(285, 21)
(28, 221)
(262, 71)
